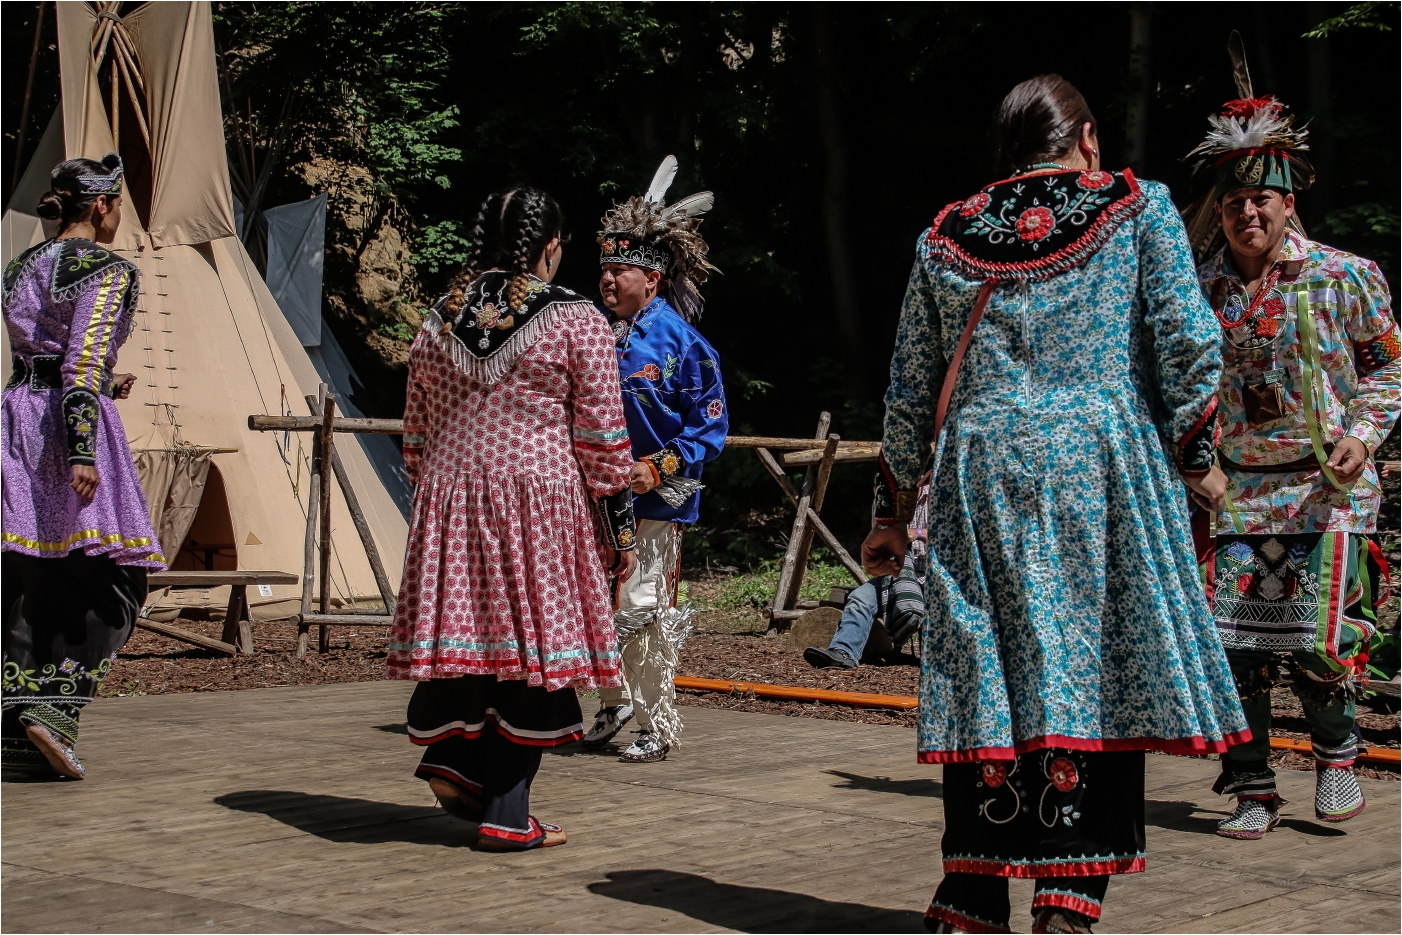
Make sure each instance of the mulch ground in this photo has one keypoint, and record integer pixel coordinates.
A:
(725, 645)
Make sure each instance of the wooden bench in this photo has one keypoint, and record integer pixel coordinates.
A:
(238, 631)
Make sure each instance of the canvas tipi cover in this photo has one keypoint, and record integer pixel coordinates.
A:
(210, 345)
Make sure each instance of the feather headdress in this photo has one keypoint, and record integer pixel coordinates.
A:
(645, 231)
(1252, 142)
(1251, 123)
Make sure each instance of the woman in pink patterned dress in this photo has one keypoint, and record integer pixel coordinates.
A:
(512, 425)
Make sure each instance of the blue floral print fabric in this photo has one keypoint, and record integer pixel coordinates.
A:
(1065, 604)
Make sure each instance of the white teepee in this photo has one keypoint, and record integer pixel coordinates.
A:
(211, 345)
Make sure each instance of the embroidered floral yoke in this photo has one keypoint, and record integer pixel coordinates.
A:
(503, 575)
(1065, 607)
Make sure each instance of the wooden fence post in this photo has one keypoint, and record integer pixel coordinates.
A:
(791, 569)
(328, 412)
(308, 562)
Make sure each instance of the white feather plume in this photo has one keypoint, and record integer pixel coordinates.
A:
(691, 206)
(1267, 126)
(661, 181)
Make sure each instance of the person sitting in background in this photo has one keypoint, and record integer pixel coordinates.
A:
(898, 599)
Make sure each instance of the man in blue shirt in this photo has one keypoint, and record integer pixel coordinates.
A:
(652, 261)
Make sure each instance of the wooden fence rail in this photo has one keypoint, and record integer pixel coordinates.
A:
(815, 455)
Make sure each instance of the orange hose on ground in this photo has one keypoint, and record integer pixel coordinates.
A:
(794, 693)
(1383, 756)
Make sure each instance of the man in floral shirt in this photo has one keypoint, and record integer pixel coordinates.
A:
(651, 261)
(1309, 391)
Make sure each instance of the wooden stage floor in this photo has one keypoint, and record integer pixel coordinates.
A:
(294, 810)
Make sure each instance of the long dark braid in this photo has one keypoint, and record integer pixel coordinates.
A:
(528, 245)
(511, 232)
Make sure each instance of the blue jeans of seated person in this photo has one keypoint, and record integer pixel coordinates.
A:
(860, 612)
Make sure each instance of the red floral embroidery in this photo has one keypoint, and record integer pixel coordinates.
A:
(994, 774)
(649, 372)
(715, 408)
(974, 205)
(1095, 181)
(1035, 223)
(1063, 774)
(1274, 306)
(1267, 327)
(1244, 582)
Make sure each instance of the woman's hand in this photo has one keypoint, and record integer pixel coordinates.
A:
(623, 564)
(1210, 490)
(883, 550)
(122, 384)
(1349, 459)
(85, 480)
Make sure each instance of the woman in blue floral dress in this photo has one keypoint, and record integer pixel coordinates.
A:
(1067, 629)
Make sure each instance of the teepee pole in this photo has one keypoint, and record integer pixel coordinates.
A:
(28, 96)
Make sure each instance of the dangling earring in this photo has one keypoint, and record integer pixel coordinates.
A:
(547, 264)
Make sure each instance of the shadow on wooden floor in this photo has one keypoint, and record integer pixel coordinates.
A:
(354, 821)
(927, 787)
(751, 908)
(1185, 816)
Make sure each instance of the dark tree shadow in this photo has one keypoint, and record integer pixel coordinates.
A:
(926, 787)
(751, 908)
(1181, 816)
(355, 821)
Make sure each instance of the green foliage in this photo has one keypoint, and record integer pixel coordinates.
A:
(358, 92)
(1359, 16)
(398, 330)
(440, 246)
(1365, 219)
(755, 590)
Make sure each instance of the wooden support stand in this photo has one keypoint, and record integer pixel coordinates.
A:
(238, 631)
(809, 503)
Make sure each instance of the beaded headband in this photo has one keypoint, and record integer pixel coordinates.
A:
(105, 184)
(632, 251)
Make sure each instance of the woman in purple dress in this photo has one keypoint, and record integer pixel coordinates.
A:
(77, 538)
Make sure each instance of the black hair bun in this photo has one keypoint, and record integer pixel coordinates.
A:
(50, 206)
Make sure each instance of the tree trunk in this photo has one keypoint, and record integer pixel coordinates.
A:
(835, 214)
(1141, 19)
(1321, 197)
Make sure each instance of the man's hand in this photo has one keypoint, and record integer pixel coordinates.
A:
(1349, 459)
(122, 384)
(641, 479)
(1210, 490)
(85, 480)
(883, 550)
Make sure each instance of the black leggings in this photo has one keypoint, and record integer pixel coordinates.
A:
(977, 902)
(496, 772)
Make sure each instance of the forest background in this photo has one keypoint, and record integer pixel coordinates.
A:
(830, 133)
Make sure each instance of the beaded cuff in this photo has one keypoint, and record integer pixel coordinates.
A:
(665, 463)
(616, 511)
(81, 413)
(1197, 449)
(891, 506)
